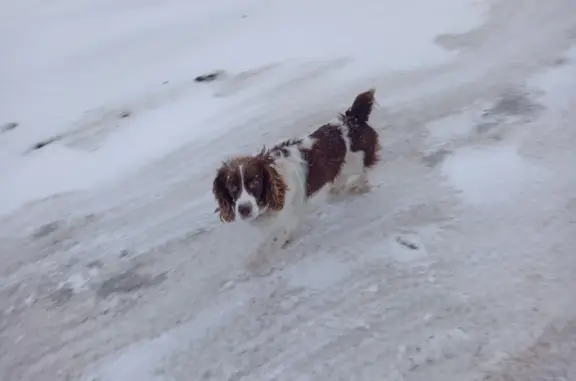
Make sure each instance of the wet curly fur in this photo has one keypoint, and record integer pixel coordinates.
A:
(273, 187)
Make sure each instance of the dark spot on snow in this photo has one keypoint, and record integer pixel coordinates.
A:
(404, 242)
(46, 230)
(513, 102)
(436, 157)
(208, 77)
(44, 143)
(128, 281)
(496, 137)
(165, 82)
(62, 295)
(560, 61)
(96, 264)
(207, 375)
(244, 16)
(484, 127)
(9, 126)
(89, 218)
(452, 42)
(124, 114)
(124, 253)
(198, 232)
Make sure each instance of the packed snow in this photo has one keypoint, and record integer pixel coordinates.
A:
(458, 265)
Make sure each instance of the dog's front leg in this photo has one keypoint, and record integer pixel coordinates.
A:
(281, 231)
(284, 232)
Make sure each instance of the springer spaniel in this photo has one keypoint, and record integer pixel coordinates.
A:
(271, 189)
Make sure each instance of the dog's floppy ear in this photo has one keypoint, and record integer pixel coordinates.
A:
(222, 196)
(275, 185)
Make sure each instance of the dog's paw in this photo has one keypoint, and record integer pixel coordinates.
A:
(360, 185)
(336, 195)
(281, 240)
(360, 188)
(261, 262)
(336, 190)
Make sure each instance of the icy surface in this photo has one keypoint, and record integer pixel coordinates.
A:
(459, 265)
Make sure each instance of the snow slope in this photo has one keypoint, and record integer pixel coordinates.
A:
(458, 266)
(83, 64)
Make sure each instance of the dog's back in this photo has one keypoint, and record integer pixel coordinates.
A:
(336, 152)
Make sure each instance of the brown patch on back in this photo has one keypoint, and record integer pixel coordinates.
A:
(325, 157)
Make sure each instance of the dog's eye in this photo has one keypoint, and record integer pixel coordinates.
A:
(232, 188)
(254, 183)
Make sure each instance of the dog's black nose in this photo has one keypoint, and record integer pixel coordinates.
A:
(245, 210)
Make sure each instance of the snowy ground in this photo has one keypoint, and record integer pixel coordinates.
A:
(459, 265)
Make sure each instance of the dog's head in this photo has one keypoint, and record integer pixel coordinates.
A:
(247, 186)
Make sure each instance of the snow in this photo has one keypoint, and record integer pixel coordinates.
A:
(143, 360)
(79, 75)
(459, 263)
(456, 126)
(491, 175)
(318, 274)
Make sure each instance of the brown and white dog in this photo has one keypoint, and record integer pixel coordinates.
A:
(271, 188)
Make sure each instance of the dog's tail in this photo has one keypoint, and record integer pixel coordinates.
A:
(362, 106)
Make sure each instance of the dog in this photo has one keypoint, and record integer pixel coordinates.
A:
(271, 189)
